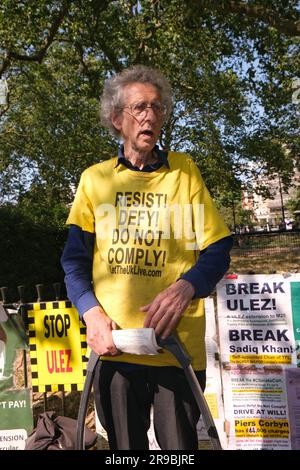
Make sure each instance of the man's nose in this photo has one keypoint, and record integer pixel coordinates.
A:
(149, 115)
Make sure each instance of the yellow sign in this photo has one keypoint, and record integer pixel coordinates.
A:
(258, 427)
(261, 358)
(57, 347)
(212, 402)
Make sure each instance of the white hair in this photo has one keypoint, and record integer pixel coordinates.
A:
(112, 99)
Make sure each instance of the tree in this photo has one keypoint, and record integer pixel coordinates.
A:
(231, 64)
(293, 204)
(30, 253)
(15, 15)
(280, 15)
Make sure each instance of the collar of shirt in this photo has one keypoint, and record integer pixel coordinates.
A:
(162, 159)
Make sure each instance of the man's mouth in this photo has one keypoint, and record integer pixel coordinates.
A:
(147, 132)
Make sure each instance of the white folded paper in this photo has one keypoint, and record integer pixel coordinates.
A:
(136, 341)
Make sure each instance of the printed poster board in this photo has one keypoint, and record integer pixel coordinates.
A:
(12, 341)
(259, 319)
(16, 419)
(213, 390)
(58, 346)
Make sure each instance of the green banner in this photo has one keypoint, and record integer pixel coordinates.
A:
(295, 296)
(16, 419)
(12, 338)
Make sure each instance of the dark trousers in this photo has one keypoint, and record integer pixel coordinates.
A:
(123, 401)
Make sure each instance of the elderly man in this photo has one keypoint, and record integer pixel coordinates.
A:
(149, 264)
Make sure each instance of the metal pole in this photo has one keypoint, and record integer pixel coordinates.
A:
(57, 290)
(63, 403)
(282, 205)
(233, 214)
(21, 290)
(40, 298)
(4, 293)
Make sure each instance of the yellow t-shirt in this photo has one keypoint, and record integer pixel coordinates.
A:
(149, 229)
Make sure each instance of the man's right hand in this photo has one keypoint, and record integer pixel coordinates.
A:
(98, 334)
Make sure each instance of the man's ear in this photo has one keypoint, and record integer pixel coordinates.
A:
(117, 121)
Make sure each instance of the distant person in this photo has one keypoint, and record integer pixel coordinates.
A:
(282, 226)
(134, 270)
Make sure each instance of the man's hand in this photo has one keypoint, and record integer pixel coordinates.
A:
(98, 334)
(165, 310)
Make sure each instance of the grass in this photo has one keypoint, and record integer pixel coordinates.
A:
(265, 263)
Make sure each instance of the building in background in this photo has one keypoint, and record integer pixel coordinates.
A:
(269, 213)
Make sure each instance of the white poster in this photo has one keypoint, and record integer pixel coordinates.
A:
(213, 390)
(255, 320)
(258, 323)
(256, 408)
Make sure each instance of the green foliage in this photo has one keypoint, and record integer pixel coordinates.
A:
(30, 253)
(41, 206)
(232, 66)
(231, 75)
(294, 203)
(230, 206)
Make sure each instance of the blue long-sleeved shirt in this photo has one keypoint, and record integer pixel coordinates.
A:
(77, 258)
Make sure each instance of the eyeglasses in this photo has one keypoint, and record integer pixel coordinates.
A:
(140, 108)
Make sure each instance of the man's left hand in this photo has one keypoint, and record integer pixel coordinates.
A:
(165, 310)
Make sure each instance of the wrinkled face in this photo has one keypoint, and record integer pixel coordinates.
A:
(141, 118)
